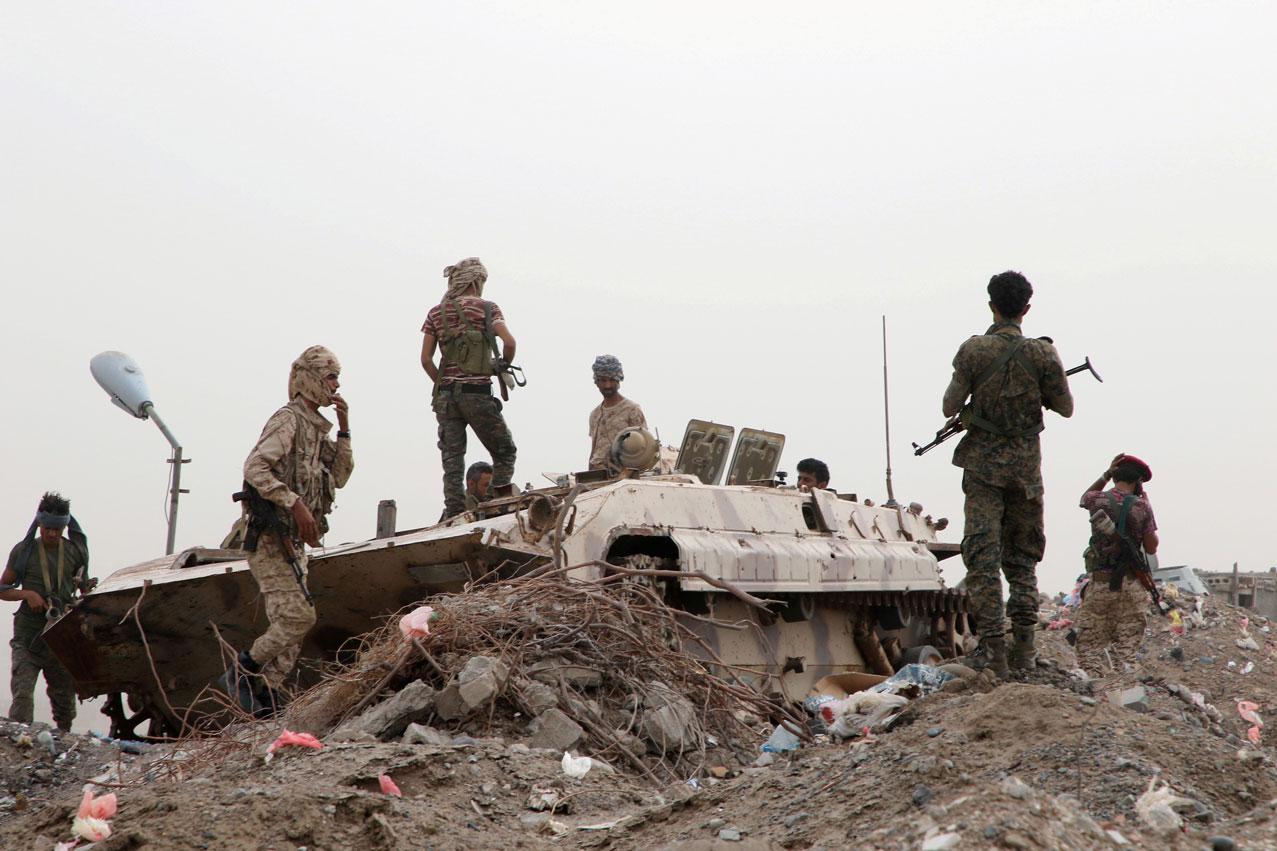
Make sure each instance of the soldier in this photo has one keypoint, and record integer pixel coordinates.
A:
(296, 468)
(478, 481)
(1114, 609)
(1009, 378)
(614, 414)
(465, 327)
(812, 474)
(43, 572)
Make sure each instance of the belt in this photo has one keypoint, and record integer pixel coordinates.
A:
(484, 389)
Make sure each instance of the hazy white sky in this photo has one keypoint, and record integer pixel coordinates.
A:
(726, 196)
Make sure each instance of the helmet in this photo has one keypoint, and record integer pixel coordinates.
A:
(634, 449)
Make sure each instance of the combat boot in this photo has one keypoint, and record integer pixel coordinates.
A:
(991, 653)
(1021, 656)
(238, 683)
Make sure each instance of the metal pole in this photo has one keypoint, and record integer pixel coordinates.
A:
(886, 413)
(175, 478)
(1232, 587)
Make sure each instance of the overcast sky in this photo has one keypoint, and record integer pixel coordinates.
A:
(725, 196)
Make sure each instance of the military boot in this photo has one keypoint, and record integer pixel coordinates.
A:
(239, 682)
(1021, 656)
(991, 653)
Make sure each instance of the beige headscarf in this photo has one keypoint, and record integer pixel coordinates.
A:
(307, 376)
(463, 275)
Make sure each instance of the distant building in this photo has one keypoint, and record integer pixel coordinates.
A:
(1255, 590)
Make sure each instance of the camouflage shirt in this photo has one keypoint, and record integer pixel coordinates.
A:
(74, 559)
(1139, 522)
(441, 325)
(294, 458)
(606, 423)
(1011, 400)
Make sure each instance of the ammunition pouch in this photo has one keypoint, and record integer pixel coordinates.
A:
(471, 349)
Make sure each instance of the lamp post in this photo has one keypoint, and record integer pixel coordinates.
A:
(122, 379)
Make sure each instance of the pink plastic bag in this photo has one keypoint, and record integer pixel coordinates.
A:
(388, 786)
(90, 821)
(416, 624)
(290, 739)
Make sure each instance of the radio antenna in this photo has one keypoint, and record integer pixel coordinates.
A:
(886, 415)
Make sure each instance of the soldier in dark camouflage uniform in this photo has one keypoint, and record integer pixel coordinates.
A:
(1008, 379)
(463, 391)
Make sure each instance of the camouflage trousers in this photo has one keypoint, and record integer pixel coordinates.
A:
(27, 664)
(290, 616)
(481, 412)
(1110, 619)
(1002, 536)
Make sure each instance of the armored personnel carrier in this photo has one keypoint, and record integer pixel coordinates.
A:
(854, 586)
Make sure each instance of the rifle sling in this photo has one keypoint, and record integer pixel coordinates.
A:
(1012, 353)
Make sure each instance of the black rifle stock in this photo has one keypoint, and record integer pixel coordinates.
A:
(263, 516)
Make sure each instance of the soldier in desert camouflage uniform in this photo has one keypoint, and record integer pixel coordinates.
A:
(1109, 617)
(614, 414)
(465, 327)
(297, 468)
(1008, 378)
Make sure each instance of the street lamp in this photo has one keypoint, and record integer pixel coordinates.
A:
(122, 379)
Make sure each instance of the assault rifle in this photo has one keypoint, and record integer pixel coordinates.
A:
(955, 425)
(263, 516)
(508, 375)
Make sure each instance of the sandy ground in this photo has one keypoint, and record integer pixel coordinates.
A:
(1039, 761)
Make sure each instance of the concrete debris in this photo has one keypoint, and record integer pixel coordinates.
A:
(536, 697)
(1134, 698)
(669, 721)
(553, 668)
(1016, 788)
(388, 719)
(474, 686)
(416, 734)
(553, 729)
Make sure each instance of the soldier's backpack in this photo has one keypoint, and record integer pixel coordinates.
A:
(469, 349)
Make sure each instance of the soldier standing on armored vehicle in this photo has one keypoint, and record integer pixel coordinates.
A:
(1008, 379)
(44, 571)
(1115, 617)
(291, 478)
(465, 327)
(614, 414)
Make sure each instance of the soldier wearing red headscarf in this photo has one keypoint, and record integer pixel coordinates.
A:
(1114, 611)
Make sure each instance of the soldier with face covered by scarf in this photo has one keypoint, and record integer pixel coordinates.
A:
(465, 328)
(297, 468)
(44, 572)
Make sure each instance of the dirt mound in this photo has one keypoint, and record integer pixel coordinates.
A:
(1042, 760)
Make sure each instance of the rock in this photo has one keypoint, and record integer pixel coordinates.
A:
(790, 821)
(552, 668)
(960, 671)
(555, 730)
(534, 821)
(669, 721)
(716, 823)
(935, 731)
(1017, 840)
(719, 771)
(1206, 660)
(1246, 643)
(922, 795)
(481, 680)
(391, 717)
(1087, 701)
(765, 760)
(1016, 788)
(1134, 698)
(1222, 843)
(416, 734)
(729, 834)
(941, 842)
(537, 697)
(990, 832)
(1177, 653)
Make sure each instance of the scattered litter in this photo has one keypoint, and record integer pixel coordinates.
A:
(1248, 667)
(1060, 623)
(23, 740)
(941, 842)
(1177, 622)
(290, 739)
(126, 745)
(860, 711)
(576, 767)
(416, 624)
(388, 786)
(781, 740)
(91, 820)
(1248, 711)
(1155, 807)
(1247, 643)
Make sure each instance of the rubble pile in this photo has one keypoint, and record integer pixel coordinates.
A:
(457, 739)
(564, 665)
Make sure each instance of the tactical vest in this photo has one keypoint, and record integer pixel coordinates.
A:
(470, 349)
(1012, 357)
(313, 482)
(1122, 512)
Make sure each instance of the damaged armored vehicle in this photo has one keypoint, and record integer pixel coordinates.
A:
(854, 586)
